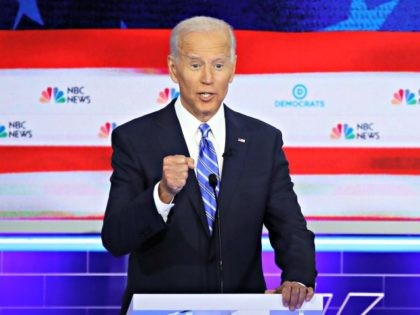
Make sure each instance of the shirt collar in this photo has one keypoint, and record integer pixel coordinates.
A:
(190, 124)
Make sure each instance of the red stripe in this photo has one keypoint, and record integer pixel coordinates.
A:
(45, 159)
(303, 161)
(258, 52)
(354, 160)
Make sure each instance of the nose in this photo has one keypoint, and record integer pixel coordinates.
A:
(207, 75)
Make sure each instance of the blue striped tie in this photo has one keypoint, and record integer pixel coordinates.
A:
(207, 164)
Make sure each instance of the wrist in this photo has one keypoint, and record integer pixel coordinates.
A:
(164, 195)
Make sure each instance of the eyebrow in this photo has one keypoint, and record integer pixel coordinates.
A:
(219, 58)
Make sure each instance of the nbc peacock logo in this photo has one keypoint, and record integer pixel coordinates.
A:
(401, 95)
(52, 94)
(167, 95)
(3, 131)
(342, 130)
(106, 129)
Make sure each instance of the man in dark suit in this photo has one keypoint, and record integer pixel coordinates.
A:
(194, 183)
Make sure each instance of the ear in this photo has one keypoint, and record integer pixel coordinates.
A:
(172, 68)
(233, 70)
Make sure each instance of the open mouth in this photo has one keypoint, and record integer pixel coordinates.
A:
(206, 95)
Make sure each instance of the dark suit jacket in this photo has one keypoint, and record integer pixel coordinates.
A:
(179, 256)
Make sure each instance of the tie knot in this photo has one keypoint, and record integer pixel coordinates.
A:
(205, 129)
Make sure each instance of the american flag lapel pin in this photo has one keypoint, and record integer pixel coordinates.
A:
(242, 140)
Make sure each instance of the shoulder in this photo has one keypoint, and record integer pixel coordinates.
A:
(143, 124)
(251, 124)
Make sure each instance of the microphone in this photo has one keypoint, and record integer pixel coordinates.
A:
(226, 154)
(213, 183)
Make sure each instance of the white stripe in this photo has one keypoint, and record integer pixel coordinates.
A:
(211, 148)
(210, 205)
(200, 172)
(210, 159)
(210, 216)
(203, 187)
(207, 167)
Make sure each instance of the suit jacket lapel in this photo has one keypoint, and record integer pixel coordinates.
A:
(235, 152)
(172, 142)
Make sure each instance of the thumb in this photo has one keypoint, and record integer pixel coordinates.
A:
(190, 163)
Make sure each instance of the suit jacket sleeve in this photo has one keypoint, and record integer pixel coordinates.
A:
(292, 242)
(131, 217)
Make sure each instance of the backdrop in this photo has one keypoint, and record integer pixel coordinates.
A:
(340, 80)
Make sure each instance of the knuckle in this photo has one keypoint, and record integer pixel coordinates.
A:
(166, 170)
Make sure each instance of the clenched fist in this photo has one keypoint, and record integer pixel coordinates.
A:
(174, 176)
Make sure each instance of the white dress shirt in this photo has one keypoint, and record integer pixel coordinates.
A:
(192, 135)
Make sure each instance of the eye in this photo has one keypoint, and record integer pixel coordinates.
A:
(195, 66)
(219, 66)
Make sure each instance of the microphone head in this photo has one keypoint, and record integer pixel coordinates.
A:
(213, 180)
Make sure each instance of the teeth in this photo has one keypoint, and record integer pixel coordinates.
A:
(205, 95)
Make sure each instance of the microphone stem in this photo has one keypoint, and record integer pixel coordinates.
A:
(219, 234)
(213, 183)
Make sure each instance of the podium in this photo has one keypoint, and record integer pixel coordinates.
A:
(218, 304)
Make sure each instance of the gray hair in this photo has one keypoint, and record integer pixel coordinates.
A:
(200, 24)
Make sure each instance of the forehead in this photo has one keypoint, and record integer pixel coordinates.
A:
(204, 43)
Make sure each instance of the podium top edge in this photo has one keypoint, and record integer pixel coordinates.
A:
(263, 302)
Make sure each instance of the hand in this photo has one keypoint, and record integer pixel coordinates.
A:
(294, 294)
(174, 176)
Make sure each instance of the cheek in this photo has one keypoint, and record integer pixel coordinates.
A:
(188, 82)
(187, 90)
(224, 84)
